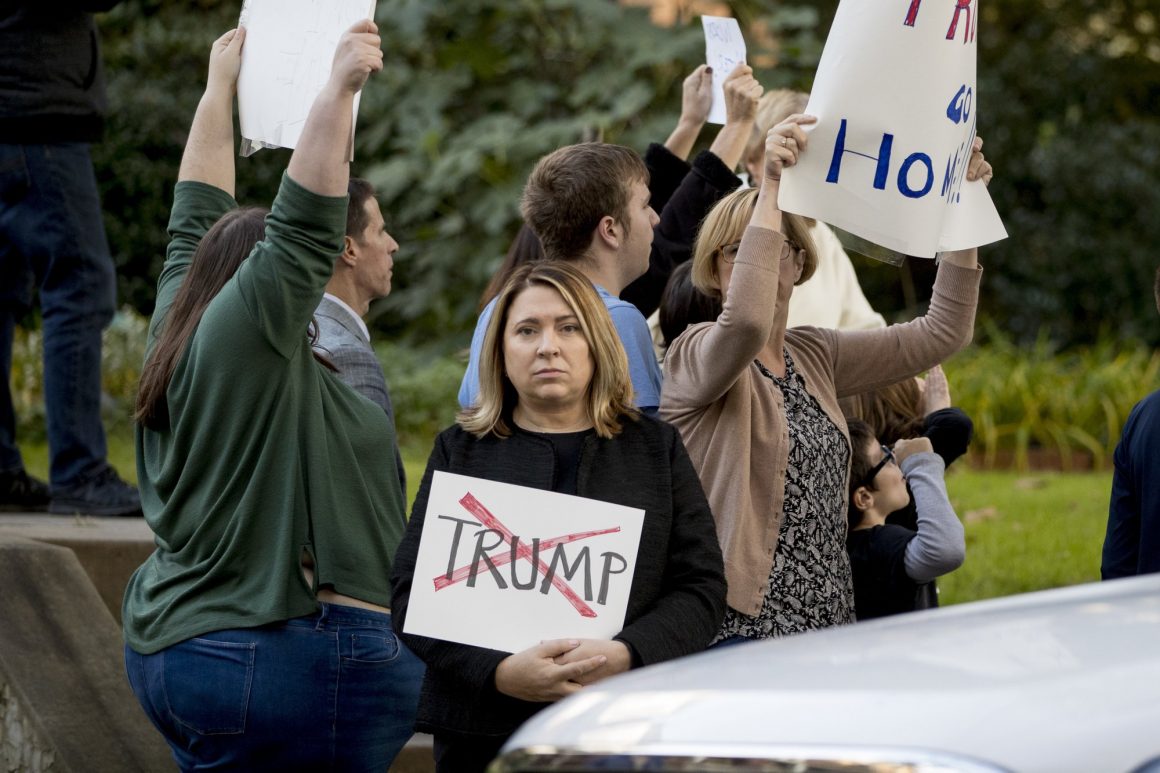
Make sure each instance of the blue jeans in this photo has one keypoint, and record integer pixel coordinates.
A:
(332, 691)
(52, 237)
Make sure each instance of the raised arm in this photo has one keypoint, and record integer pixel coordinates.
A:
(205, 179)
(209, 151)
(702, 365)
(696, 101)
(742, 93)
(939, 546)
(283, 280)
(320, 163)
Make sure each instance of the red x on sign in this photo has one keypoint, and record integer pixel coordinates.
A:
(485, 517)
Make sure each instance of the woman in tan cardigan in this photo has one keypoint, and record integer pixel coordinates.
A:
(757, 405)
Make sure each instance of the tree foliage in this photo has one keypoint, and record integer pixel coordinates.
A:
(474, 92)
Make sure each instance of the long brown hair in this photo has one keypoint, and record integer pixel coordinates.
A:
(215, 260)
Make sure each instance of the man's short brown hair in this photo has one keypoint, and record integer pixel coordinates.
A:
(572, 188)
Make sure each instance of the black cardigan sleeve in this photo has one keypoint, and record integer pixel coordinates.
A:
(473, 667)
(665, 172)
(691, 604)
(950, 431)
(707, 182)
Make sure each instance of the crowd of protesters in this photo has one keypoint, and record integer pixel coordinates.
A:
(786, 453)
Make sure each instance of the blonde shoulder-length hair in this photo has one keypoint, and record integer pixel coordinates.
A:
(725, 224)
(609, 394)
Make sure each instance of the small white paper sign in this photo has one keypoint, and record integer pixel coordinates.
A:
(505, 567)
(896, 103)
(286, 60)
(724, 50)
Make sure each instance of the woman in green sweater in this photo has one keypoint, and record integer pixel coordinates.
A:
(258, 633)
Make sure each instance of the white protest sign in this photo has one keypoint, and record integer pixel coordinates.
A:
(286, 60)
(724, 50)
(504, 567)
(896, 103)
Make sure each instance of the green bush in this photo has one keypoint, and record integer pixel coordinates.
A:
(122, 353)
(424, 391)
(1024, 398)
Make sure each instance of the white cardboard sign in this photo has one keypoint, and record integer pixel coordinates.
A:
(286, 60)
(724, 50)
(896, 103)
(505, 567)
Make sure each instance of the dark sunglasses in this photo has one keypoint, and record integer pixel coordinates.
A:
(888, 458)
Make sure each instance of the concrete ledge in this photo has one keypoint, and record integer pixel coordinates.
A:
(109, 549)
(65, 700)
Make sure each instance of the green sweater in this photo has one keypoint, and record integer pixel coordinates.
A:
(267, 453)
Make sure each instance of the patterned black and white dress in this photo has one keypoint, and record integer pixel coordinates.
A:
(810, 586)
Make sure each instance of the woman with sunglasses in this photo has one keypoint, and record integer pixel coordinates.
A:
(757, 404)
(895, 567)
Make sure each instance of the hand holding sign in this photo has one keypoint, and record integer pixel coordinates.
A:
(359, 54)
(742, 93)
(978, 168)
(225, 60)
(783, 144)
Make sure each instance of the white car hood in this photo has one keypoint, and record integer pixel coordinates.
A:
(1059, 680)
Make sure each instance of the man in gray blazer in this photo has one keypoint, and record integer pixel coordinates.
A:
(362, 273)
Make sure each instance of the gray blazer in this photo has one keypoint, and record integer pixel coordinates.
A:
(341, 342)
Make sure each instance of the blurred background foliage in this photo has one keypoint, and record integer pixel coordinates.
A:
(474, 92)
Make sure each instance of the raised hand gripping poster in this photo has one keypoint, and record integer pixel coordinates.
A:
(896, 103)
(505, 567)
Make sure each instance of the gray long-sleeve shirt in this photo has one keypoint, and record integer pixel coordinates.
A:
(939, 546)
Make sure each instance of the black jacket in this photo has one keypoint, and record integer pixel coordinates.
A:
(678, 591)
(52, 87)
(682, 195)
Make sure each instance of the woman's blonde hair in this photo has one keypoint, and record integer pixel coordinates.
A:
(725, 224)
(609, 394)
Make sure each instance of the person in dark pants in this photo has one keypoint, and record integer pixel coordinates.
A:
(52, 99)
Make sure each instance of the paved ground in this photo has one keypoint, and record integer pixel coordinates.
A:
(73, 527)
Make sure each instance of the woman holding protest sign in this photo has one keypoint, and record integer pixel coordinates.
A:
(258, 635)
(555, 413)
(757, 404)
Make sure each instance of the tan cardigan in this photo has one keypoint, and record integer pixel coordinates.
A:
(732, 419)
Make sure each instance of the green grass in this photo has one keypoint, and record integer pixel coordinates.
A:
(1025, 532)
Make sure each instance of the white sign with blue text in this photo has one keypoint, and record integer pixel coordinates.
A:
(896, 101)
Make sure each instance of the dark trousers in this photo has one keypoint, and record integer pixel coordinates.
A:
(466, 753)
(52, 238)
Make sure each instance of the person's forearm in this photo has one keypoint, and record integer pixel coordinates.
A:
(680, 142)
(968, 258)
(209, 152)
(320, 163)
(766, 213)
(729, 144)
